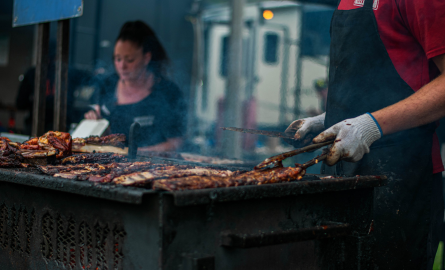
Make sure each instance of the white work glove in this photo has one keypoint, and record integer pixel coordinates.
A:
(353, 137)
(304, 130)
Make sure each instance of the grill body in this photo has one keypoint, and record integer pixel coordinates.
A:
(52, 223)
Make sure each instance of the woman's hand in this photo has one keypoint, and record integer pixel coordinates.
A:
(93, 114)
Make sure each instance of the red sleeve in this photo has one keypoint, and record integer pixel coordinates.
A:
(426, 21)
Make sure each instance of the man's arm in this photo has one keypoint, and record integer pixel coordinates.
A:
(425, 106)
(353, 137)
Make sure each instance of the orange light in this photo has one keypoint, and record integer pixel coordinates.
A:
(267, 14)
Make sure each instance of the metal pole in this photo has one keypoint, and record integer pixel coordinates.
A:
(38, 117)
(282, 119)
(297, 108)
(62, 58)
(232, 111)
(197, 71)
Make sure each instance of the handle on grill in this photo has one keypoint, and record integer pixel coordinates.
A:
(326, 230)
(132, 140)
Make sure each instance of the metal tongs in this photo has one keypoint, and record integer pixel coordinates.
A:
(276, 161)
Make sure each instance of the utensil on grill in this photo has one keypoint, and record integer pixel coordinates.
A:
(261, 132)
(277, 160)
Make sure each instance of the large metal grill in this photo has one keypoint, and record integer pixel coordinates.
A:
(54, 223)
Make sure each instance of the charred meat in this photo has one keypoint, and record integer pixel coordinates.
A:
(53, 143)
(9, 154)
(117, 140)
(104, 172)
(146, 178)
(101, 158)
(274, 175)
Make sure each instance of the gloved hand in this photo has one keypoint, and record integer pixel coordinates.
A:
(304, 130)
(353, 137)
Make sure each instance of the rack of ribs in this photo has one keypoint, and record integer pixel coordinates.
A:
(103, 172)
(101, 158)
(274, 175)
(147, 177)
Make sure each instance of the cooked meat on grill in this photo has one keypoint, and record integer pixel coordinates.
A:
(94, 158)
(53, 169)
(12, 161)
(274, 175)
(104, 172)
(54, 142)
(7, 147)
(146, 178)
(9, 154)
(28, 153)
(117, 140)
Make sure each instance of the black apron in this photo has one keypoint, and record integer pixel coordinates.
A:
(363, 79)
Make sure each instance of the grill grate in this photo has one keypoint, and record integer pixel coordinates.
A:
(118, 241)
(47, 229)
(101, 246)
(60, 241)
(16, 216)
(85, 246)
(16, 225)
(28, 230)
(71, 243)
(4, 219)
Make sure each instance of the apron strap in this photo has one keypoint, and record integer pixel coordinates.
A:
(368, 4)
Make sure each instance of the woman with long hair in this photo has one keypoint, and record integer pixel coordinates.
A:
(140, 92)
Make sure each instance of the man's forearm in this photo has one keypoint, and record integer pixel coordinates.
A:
(425, 106)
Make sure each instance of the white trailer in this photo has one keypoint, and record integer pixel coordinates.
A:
(276, 73)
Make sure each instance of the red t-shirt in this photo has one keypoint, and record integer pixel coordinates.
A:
(412, 32)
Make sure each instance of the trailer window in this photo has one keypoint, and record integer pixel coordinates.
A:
(224, 56)
(271, 41)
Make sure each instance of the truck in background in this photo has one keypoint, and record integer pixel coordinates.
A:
(285, 48)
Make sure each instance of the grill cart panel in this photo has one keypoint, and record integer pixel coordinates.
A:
(54, 223)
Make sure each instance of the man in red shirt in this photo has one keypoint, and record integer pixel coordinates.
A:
(386, 90)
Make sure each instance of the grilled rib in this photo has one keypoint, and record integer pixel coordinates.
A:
(146, 178)
(117, 140)
(94, 158)
(103, 172)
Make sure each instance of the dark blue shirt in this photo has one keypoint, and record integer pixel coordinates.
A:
(161, 114)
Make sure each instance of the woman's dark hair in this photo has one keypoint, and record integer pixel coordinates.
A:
(143, 36)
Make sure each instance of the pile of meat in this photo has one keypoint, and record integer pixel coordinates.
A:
(56, 145)
(10, 154)
(52, 143)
